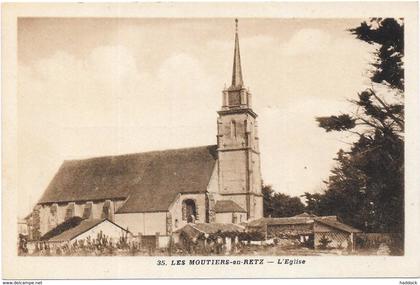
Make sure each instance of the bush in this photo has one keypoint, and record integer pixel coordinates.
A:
(324, 242)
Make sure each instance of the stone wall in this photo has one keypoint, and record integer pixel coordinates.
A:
(255, 173)
(147, 224)
(239, 160)
(234, 218)
(232, 173)
(255, 204)
(176, 209)
(238, 199)
(257, 207)
(212, 194)
(48, 216)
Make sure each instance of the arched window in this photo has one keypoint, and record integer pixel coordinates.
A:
(69, 211)
(106, 210)
(54, 209)
(53, 217)
(87, 211)
(233, 131)
(189, 211)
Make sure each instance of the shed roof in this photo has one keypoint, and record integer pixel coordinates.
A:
(215, 227)
(331, 221)
(305, 215)
(194, 230)
(338, 225)
(83, 227)
(149, 181)
(228, 206)
(64, 226)
(172, 172)
(280, 221)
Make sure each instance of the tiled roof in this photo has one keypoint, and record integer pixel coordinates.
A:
(215, 227)
(330, 218)
(149, 180)
(305, 215)
(71, 233)
(64, 226)
(331, 221)
(172, 172)
(194, 230)
(228, 206)
(338, 225)
(280, 221)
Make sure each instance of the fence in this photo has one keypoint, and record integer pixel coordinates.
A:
(102, 245)
(394, 241)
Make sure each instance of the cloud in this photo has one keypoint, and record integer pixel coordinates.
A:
(131, 95)
(105, 103)
(307, 42)
(296, 154)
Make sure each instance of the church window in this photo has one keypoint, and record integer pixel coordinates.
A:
(106, 210)
(189, 211)
(53, 209)
(69, 211)
(87, 211)
(233, 131)
(52, 219)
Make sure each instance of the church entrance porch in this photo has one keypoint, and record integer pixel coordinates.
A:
(189, 211)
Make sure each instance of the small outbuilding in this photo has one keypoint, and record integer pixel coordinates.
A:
(90, 229)
(205, 238)
(330, 233)
(313, 231)
(227, 211)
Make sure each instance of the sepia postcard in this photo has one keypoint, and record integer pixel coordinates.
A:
(203, 140)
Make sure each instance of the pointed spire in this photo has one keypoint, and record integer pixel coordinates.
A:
(237, 70)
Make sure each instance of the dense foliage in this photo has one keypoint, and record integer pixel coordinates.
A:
(280, 205)
(366, 187)
(388, 34)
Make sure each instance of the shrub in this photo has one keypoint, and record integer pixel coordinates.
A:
(324, 242)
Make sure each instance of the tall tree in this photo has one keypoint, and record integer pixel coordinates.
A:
(280, 205)
(268, 193)
(366, 187)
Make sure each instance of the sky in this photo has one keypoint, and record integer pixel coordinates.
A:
(94, 87)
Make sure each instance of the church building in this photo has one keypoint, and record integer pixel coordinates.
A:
(158, 192)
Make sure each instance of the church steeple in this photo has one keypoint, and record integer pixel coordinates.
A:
(237, 81)
(236, 96)
(239, 173)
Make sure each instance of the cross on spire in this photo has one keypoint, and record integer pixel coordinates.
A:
(237, 70)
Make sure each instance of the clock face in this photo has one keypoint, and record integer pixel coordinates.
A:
(234, 98)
